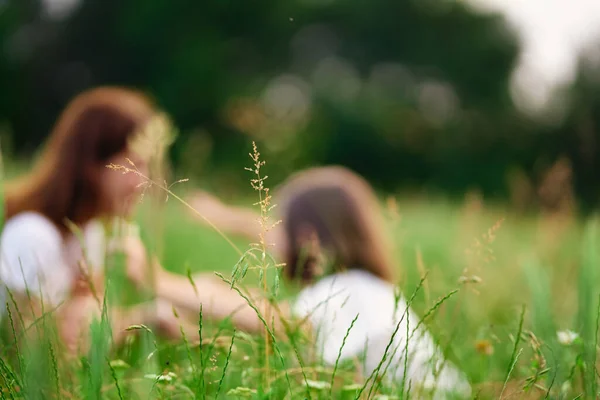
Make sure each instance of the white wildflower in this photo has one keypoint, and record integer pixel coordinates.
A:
(565, 388)
(318, 385)
(567, 337)
(168, 377)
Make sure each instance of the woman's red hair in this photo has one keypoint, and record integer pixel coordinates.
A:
(94, 127)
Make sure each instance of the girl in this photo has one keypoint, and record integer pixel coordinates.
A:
(332, 242)
(42, 261)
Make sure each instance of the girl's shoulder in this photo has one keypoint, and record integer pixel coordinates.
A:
(355, 280)
(30, 229)
(346, 289)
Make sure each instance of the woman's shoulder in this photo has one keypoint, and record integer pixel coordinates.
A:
(32, 257)
(30, 225)
(29, 243)
(27, 233)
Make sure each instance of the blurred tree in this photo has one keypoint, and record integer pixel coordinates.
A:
(406, 92)
(579, 136)
(17, 33)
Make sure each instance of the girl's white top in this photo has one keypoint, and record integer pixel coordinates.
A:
(35, 257)
(336, 300)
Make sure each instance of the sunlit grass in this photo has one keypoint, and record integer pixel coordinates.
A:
(520, 279)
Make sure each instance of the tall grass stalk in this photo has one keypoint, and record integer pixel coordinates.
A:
(337, 360)
(113, 373)
(510, 370)
(202, 364)
(517, 340)
(55, 374)
(405, 371)
(264, 204)
(226, 365)
(588, 314)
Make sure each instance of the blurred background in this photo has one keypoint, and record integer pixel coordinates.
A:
(495, 97)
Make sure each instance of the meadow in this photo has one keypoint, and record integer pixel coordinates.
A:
(512, 298)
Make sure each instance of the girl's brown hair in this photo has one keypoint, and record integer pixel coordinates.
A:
(97, 125)
(341, 210)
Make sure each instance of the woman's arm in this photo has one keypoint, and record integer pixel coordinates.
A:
(234, 220)
(216, 297)
(219, 301)
(229, 219)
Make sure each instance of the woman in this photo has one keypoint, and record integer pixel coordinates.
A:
(332, 242)
(44, 264)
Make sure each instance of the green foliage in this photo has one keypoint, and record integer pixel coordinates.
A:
(233, 360)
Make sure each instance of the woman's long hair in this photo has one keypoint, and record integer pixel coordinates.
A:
(97, 125)
(341, 211)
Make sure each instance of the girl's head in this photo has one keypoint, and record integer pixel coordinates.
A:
(331, 220)
(71, 180)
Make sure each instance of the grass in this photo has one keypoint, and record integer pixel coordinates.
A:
(498, 287)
